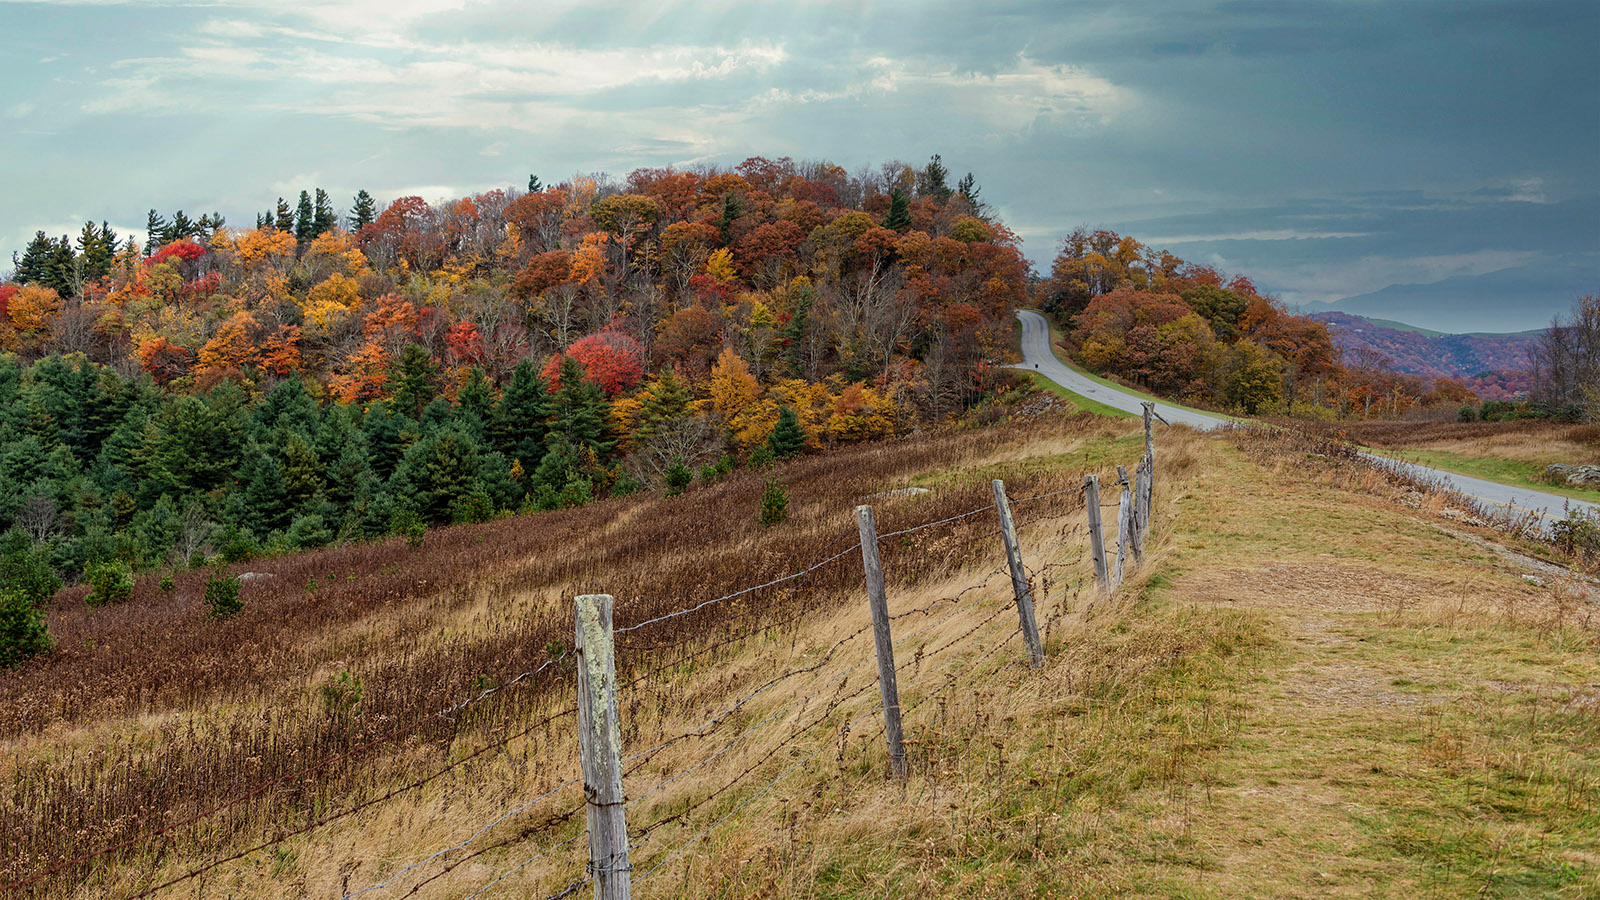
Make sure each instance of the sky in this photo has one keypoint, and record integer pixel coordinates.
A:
(1325, 148)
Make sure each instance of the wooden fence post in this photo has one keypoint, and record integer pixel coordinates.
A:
(1019, 576)
(599, 741)
(1141, 512)
(1097, 541)
(879, 601)
(1149, 432)
(1124, 524)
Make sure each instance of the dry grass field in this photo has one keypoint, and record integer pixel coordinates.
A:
(1315, 686)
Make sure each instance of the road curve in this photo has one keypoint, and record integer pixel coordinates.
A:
(1038, 356)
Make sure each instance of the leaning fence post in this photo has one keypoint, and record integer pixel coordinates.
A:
(599, 740)
(1149, 432)
(1124, 523)
(879, 601)
(1097, 541)
(1019, 576)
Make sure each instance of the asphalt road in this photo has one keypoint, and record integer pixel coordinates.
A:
(1037, 355)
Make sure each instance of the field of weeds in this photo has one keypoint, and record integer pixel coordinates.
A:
(1312, 688)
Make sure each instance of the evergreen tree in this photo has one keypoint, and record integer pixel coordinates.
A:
(34, 265)
(302, 472)
(899, 215)
(518, 425)
(97, 248)
(155, 232)
(581, 414)
(788, 437)
(65, 269)
(416, 379)
(475, 403)
(732, 209)
(534, 184)
(323, 217)
(283, 218)
(266, 498)
(666, 401)
(182, 227)
(305, 220)
(931, 180)
(363, 211)
(968, 187)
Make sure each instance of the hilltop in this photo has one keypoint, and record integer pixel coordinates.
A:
(1320, 682)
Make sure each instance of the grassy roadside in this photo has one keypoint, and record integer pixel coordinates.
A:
(1518, 473)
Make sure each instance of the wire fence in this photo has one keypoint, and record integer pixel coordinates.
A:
(798, 725)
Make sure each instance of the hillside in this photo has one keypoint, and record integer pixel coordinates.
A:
(1464, 357)
(1507, 300)
(1320, 683)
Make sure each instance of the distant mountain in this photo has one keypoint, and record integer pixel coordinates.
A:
(1494, 365)
(1507, 300)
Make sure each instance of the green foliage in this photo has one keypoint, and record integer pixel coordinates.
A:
(898, 217)
(1468, 414)
(167, 585)
(474, 506)
(25, 568)
(222, 594)
(110, 581)
(788, 438)
(408, 525)
(774, 502)
(1578, 533)
(342, 695)
(23, 632)
(677, 477)
(762, 456)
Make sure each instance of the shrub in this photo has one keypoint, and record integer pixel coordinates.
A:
(409, 525)
(343, 695)
(167, 584)
(237, 544)
(23, 632)
(26, 568)
(774, 503)
(222, 594)
(475, 506)
(678, 477)
(1578, 534)
(109, 582)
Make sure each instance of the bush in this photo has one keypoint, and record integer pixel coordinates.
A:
(23, 632)
(237, 544)
(342, 695)
(109, 582)
(1579, 534)
(408, 524)
(308, 532)
(774, 503)
(678, 477)
(222, 594)
(26, 568)
(475, 506)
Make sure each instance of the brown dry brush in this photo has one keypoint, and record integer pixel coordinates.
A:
(176, 715)
(1391, 434)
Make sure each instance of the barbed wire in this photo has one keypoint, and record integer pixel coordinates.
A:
(956, 517)
(352, 810)
(461, 846)
(739, 593)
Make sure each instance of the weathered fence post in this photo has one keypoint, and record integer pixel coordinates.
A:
(1148, 492)
(1149, 432)
(1124, 523)
(1141, 510)
(879, 602)
(1097, 541)
(1019, 576)
(599, 741)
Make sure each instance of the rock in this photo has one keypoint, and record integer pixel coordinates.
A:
(1584, 475)
(900, 492)
(252, 576)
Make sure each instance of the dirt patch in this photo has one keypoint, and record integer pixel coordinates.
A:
(1326, 587)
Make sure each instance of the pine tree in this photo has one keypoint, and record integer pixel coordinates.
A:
(475, 403)
(788, 437)
(283, 218)
(899, 215)
(305, 220)
(97, 247)
(182, 227)
(35, 262)
(155, 230)
(62, 271)
(968, 187)
(581, 413)
(732, 209)
(666, 400)
(518, 425)
(534, 184)
(931, 182)
(363, 211)
(323, 217)
(416, 379)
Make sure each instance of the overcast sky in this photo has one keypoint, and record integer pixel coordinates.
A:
(1327, 148)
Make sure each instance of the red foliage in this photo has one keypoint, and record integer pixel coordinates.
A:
(544, 271)
(464, 343)
(611, 359)
(184, 249)
(163, 359)
(7, 291)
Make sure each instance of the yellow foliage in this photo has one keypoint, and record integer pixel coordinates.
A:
(589, 261)
(860, 413)
(626, 414)
(32, 307)
(719, 264)
(337, 251)
(732, 386)
(264, 245)
(232, 346)
(335, 290)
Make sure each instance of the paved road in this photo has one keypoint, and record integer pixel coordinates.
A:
(1037, 355)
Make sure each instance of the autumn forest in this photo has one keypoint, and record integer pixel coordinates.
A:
(327, 376)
